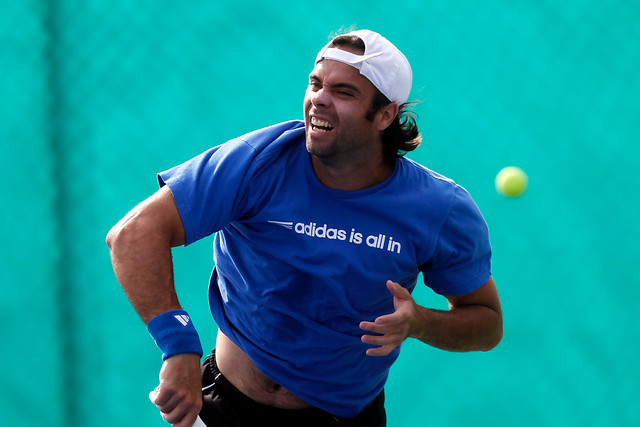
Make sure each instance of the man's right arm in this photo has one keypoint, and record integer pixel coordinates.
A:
(140, 246)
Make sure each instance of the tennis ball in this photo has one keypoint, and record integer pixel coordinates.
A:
(511, 181)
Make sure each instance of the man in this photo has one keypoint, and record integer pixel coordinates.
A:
(322, 228)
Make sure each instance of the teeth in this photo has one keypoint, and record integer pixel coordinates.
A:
(326, 126)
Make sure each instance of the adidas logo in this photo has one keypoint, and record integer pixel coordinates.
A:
(285, 224)
(182, 318)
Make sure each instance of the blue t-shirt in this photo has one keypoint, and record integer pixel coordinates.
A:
(298, 265)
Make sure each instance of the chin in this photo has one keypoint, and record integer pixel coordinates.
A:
(312, 146)
(324, 154)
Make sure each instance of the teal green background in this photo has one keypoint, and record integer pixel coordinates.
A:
(98, 96)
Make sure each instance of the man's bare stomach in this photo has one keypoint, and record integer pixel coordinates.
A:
(238, 368)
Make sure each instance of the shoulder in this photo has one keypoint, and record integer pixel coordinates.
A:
(273, 137)
(415, 171)
(438, 196)
(251, 150)
(425, 182)
(269, 149)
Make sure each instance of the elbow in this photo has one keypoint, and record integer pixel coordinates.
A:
(122, 234)
(495, 336)
(494, 340)
(115, 236)
(111, 237)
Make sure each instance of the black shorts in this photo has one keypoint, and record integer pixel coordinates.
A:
(225, 406)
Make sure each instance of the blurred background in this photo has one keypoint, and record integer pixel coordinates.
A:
(96, 97)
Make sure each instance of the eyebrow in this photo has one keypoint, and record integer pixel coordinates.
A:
(341, 85)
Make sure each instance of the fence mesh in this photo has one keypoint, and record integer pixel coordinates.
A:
(98, 96)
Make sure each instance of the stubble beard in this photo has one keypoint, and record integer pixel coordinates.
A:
(322, 153)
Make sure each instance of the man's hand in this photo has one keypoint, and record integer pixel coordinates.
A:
(472, 323)
(179, 394)
(395, 327)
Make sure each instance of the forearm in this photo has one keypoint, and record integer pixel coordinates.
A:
(464, 328)
(140, 246)
(144, 268)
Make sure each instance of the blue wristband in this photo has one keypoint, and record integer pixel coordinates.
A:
(174, 333)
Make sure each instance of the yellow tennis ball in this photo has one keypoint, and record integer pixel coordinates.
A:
(511, 181)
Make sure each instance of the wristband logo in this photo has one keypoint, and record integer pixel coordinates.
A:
(182, 318)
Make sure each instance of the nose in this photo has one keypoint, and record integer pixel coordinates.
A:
(321, 98)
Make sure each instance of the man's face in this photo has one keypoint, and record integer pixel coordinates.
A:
(335, 107)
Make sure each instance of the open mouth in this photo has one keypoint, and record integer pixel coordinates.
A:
(320, 125)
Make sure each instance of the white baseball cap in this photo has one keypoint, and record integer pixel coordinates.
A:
(382, 63)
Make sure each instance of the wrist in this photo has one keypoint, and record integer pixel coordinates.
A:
(421, 323)
(174, 333)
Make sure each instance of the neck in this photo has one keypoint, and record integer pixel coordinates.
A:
(351, 177)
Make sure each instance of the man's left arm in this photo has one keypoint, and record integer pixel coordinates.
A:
(472, 323)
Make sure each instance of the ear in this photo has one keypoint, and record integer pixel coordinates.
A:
(386, 115)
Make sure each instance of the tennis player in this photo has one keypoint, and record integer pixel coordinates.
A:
(322, 228)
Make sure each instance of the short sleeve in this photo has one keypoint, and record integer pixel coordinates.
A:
(208, 189)
(461, 262)
(212, 189)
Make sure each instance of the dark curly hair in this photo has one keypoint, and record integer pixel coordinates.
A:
(402, 135)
